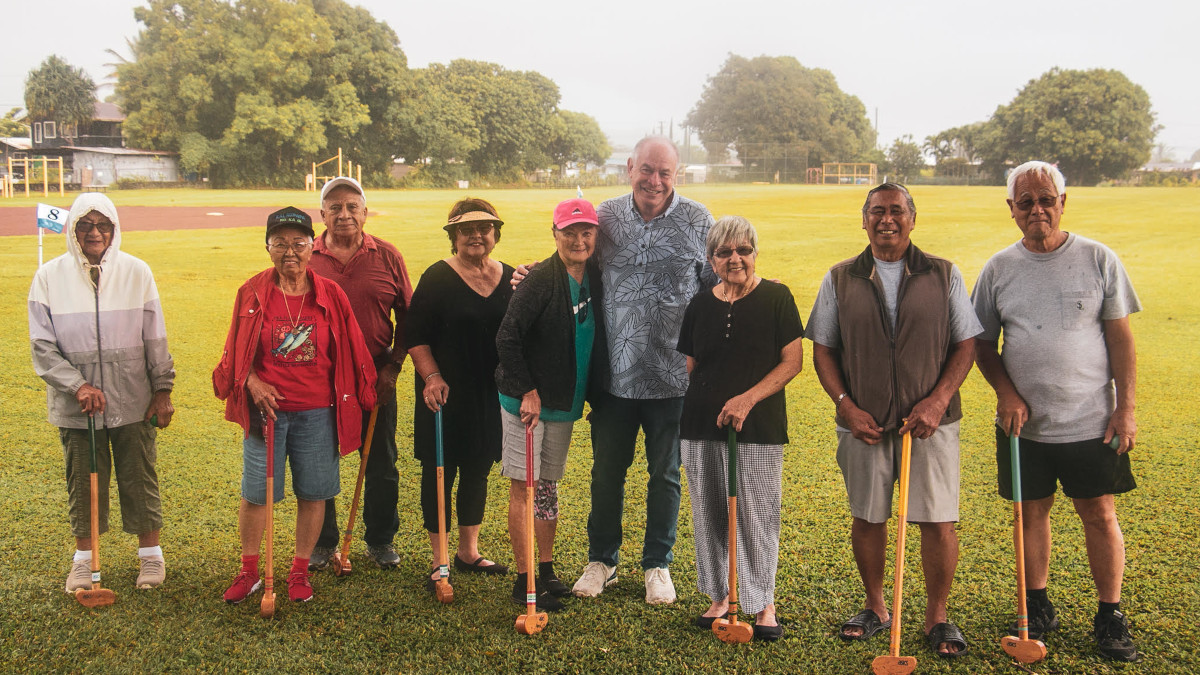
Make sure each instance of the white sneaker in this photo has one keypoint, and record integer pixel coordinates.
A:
(152, 571)
(596, 577)
(659, 589)
(80, 576)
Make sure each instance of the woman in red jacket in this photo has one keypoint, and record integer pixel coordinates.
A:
(295, 355)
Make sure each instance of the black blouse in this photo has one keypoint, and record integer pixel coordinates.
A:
(459, 326)
(734, 347)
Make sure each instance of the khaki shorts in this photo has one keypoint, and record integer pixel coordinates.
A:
(870, 471)
(551, 440)
(133, 453)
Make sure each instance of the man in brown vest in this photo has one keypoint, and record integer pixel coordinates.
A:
(893, 338)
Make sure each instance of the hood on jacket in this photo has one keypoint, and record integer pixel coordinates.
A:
(85, 204)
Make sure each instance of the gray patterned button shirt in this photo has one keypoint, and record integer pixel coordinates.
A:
(651, 271)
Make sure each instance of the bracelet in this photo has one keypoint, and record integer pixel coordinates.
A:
(433, 374)
(837, 402)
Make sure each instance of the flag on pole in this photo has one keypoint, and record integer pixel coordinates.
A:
(51, 217)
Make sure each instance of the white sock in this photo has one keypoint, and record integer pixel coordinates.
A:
(147, 551)
(82, 556)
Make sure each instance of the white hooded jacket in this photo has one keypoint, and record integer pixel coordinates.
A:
(112, 337)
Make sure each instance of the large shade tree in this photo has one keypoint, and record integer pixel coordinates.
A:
(1095, 124)
(771, 105)
(253, 91)
(577, 137)
(480, 116)
(58, 91)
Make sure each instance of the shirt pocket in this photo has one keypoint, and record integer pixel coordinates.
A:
(1079, 308)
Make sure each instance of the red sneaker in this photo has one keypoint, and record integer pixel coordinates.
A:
(244, 584)
(299, 589)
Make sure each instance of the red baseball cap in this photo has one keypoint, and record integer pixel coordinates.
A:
(574, 211)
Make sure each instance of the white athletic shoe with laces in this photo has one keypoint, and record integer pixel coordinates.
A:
(152, 571)
(659, 589)
(80, 576)
(596, 577)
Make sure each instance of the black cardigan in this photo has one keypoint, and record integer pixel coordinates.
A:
(536, 340)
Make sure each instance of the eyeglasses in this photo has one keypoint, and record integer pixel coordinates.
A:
(1044, 202)
(281, 247)
(581, 310)
(724, 253)
(470, 230)
(83, 227)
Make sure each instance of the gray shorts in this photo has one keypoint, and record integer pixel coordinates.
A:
(870, 471)
(551, 440)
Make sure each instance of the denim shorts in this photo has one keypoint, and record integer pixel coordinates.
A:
(308, 441)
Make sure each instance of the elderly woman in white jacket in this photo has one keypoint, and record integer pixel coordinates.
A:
(99, 341)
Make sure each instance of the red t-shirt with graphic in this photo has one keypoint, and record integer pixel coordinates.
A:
(295, 351)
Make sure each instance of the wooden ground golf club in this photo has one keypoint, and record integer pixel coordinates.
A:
(96, 596)
(341, 559)
(1020, 647)
(267, 607)
(442, 589)
(532, 621)
(893, 663)
(730, 629)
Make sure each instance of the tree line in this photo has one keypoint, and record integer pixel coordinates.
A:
(250, 92)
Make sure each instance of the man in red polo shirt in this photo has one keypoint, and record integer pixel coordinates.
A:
(372, 273)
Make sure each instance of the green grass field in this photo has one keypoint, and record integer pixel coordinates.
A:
(383, 621)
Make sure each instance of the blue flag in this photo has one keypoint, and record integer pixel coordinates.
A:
(51, 217)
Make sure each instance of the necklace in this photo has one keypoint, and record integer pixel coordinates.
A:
(729, 312)
(299, 314)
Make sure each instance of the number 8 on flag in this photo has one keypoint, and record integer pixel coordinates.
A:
(51, 217)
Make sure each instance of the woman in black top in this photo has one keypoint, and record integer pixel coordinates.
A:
(450, 332)
(743, 343)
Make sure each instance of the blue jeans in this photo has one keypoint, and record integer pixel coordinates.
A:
(615, 423)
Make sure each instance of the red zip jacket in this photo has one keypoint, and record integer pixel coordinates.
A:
(353, 369)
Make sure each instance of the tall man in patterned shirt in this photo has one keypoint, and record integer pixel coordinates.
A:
(651, 253)
(372, 273)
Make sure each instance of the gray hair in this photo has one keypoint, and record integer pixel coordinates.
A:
(1036, 166)
(895, 187)
(730, 229)
(637, 149)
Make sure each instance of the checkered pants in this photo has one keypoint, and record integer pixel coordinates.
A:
(760, 474)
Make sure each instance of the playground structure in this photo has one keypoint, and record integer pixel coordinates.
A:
(28, 165)
(351, 169)
(844, 173)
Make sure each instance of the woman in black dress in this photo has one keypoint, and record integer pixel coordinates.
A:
(450, 333)
(742, 340)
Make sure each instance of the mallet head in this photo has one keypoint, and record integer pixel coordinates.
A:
(266, 608)
(95, 597)
(1024, 651)
(530, 624)
(893, 665)
(733, 631)
(341, 566)
(444, 591)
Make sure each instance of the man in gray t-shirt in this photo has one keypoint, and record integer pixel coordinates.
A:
(1065, 384)
(892, 333)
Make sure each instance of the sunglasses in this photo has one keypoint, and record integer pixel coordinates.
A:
(83, 227)
(724, 253)
(470, 230)
(1044, 202)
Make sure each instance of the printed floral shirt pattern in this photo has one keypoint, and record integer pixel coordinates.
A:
(651, 271)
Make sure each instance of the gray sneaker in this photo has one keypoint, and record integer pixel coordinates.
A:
(152, 572)
(383, 556)
(80, 577)
(320, 558)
